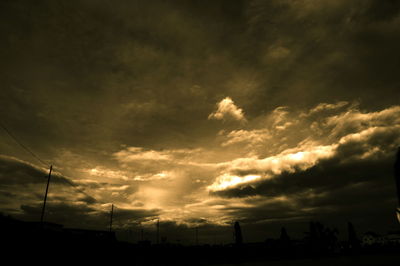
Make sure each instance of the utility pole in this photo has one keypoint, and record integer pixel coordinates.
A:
(197, 236)
(397, 178)
(45, 196)
(111, 216)
(233, 232)
(158, 231)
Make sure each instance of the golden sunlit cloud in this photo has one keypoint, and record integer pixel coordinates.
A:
(270, 167)
(226, 109)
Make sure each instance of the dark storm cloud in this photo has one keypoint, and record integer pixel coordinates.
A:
(69, 204)
(332, 50)
(369, 204)
(137, 215)
(381, 10)
(161, 66)
(144, 61)
(15, 171)
(367, 158)
(23, 183)
(369, 212)
(327, 175)
(16, 174)
(59, 213)
(349, 177)
(81, 215)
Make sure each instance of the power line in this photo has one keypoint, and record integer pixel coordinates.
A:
(69, 182)
(111, 216)
(75, 186)
(23, 146)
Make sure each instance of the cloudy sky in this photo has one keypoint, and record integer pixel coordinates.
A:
(201, 113)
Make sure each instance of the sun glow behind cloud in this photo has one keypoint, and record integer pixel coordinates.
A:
(186, 183)
(181, 185)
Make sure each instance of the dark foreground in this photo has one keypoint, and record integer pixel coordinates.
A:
(361, 259)
(52, 244)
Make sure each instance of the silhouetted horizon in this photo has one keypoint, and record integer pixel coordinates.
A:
(249, 125)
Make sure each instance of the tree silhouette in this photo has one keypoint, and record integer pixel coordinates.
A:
(321, 238)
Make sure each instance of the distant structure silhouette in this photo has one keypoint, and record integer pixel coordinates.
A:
(284, 240)
(353, 239)
(397, 177)
(284, 235)
(238, 234)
